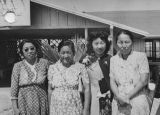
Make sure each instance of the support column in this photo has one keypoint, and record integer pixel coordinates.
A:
(86, 35)
(111, 38)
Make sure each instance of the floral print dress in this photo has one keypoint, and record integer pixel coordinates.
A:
(127, 74)
(65, 98)
(28, 87)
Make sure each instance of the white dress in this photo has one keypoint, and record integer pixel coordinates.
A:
(127, 74)
(65, 98)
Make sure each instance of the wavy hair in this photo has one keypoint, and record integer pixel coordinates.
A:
(93, 36)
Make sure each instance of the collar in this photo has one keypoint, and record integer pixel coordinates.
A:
(29, 65)
(120, 55)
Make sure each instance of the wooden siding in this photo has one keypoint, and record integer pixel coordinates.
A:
(46, 17)
(139, 45)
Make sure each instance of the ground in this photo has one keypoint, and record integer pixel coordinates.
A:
(6, 108)
(5, 103)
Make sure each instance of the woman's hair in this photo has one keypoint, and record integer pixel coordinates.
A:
(124, 32)
(68, 43)
(93, 36)
(27, 41)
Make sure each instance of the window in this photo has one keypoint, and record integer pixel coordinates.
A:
(152, 48)
(148, 48)
(158, 50)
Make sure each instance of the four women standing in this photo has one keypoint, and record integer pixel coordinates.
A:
(129, 74)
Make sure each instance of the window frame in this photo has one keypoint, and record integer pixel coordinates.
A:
(153, 50)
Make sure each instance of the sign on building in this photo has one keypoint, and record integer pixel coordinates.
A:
(14, 13)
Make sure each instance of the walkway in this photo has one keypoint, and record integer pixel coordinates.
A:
(6, 108)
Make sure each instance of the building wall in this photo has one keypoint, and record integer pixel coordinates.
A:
(139, 45)
(45, 17)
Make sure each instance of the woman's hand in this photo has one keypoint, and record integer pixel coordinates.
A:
(123, 99)
(15, 107)
(86, 112)
(16, 111)
(108, 94)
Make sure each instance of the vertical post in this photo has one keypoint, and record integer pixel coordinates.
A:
(86, 35)
(111, 38)
(154, 50)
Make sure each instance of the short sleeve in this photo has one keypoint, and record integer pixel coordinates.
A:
(15, 81)
(111, 74)
(46, 62)
(50, 74)
(143, 64)
(84, 75)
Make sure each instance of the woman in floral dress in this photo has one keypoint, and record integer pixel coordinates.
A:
(28, 90)
(65, 80)
(129, 72)
(98, 61)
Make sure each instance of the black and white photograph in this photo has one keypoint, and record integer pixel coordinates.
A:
(79, 57)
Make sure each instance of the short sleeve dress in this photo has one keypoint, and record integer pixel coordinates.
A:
(127, 74)
(29, 87)
(65, 98)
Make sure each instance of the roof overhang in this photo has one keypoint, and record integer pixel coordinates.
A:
(151, 37)
(51, 4)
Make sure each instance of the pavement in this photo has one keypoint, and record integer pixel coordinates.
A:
(6, 107)
(155, 105)
(5, 102)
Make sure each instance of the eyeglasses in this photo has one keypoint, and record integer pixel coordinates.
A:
(27, 49)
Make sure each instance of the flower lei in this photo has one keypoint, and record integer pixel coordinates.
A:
(88, 60)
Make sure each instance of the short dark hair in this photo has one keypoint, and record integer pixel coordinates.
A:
(21, 44)
(66, 43)
(94, 35)
(124, 32)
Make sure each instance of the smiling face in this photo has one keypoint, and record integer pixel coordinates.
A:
(66, 56)
(29, 51)
(124, 44)
(99, 46)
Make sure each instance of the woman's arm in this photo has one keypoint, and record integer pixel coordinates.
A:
(49, 93)
(15, 106)
(113, 85)
(50, 78)
(15, 87)
(87, 94)
(143, 68)
(87, 90)
(121, 99)
(141, 84)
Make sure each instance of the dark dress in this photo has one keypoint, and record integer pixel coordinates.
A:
(30, 91)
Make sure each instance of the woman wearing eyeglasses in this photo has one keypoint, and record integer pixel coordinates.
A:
(28, 90)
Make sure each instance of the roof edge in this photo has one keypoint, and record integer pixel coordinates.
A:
(152, 37)
(91, 17)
